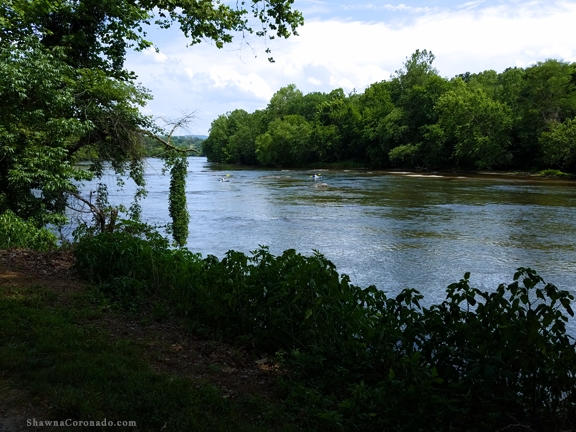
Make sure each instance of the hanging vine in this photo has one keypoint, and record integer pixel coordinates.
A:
(176, 161)
(177, 200)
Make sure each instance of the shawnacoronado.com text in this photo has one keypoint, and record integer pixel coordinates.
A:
(78, 423)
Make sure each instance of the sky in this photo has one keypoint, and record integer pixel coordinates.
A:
(349, 44)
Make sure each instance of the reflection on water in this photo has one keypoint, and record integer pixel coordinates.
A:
(392, 230)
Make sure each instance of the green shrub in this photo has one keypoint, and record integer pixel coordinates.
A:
(355, 359)
(553, 173)
(474, 362)
(18, 233)
(128, 253)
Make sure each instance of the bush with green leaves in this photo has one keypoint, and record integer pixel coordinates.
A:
(15, 232)
(477, 361)
(355, 359)
(553, 173)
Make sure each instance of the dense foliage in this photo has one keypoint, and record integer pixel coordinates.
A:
(177, 207)
(517, 119)
(18, 233)
(95, 34)
(353, 358)
(49, 112)
(65, 95)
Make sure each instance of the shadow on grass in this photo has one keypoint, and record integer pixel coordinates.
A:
(81, 373)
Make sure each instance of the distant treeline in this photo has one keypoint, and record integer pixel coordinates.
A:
(153, 147)
(518, 119)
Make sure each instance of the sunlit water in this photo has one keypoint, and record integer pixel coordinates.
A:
(393, 230)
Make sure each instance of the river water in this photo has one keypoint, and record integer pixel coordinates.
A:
(392, 230)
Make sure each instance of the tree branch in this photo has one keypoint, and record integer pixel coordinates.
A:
(168, 144)
(183, 122)
(98, 212)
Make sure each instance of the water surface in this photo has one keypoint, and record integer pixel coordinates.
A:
(393, 230)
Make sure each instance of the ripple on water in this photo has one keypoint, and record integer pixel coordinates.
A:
(393, 229)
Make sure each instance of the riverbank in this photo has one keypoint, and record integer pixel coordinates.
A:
(307, 349)
(68, 354)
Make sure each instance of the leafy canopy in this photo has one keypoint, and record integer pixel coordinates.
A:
(97, 33)
(65, 95)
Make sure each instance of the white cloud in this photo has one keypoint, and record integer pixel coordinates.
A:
(157, 56)
(345, 83)
(557, 51)
(291, 69)
(352, 54)
(252, 83)
(313, 81)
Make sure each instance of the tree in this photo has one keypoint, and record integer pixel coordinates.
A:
(175, 160)
(232, 137)
(417, 71)
(374, 104)
(284, 102)
(285, 142)
(50, 111)
(415, 90)
(64, 92)
(547, 97)
(479, 126)
(309, 104)
(214, 147)
(96, 34)
(242, 144)
(559, 145)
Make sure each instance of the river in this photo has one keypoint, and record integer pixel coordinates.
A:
(392, 230)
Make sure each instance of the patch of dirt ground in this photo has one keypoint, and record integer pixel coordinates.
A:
(169, 347)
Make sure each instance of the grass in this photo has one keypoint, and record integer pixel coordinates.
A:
(72, 367)
(346, 358)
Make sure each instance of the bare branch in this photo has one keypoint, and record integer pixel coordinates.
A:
(93, 208)
(182, 123)
(168, 144)
(98, 213)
